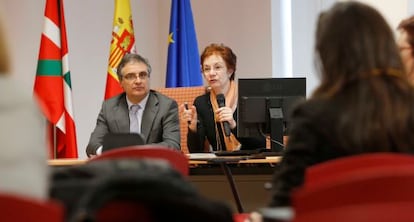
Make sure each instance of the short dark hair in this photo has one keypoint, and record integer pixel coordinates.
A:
(132, 57)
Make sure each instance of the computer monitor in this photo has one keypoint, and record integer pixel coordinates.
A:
(264, 107)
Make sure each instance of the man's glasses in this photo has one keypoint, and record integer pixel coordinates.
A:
(133, 76)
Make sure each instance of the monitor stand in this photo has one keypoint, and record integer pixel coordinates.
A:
(276, 129)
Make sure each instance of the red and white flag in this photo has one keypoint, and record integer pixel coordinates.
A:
(53, 87)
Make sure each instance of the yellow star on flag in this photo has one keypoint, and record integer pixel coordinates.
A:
(170, 38)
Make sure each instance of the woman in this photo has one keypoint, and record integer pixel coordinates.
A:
(207, 118)
(405, 44)
(364, 102)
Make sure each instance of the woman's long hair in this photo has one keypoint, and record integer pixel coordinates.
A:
(353, 41)
(361, 70)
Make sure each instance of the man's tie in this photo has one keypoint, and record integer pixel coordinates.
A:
(133, 119)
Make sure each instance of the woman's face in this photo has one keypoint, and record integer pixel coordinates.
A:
(406, 53)
(216, 74)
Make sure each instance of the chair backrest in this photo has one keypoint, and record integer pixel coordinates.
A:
(181, 95)
(240, 217)
(329, 170)
(176, 158)
(16, 208)
(353, 183)
(383, 212)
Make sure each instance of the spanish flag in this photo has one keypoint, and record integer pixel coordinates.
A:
(123, 41)
(53, 87)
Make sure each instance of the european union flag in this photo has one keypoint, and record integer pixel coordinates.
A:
(183, 64)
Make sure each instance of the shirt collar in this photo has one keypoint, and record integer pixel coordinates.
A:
(142, 104)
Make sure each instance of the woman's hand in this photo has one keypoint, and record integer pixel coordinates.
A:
(189, 114)
(225, 114)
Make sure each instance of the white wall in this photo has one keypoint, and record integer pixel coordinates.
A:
(247, 26)
(393, 11)
(304, 16)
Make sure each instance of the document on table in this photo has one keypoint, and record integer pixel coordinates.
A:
(201, 156)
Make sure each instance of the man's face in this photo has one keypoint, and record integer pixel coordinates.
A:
(135, 81)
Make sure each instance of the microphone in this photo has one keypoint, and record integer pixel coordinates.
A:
(221, 101)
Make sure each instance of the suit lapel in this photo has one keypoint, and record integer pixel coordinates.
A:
(122, 115)
(150, 112)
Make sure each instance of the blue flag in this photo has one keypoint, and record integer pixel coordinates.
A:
(183, 64)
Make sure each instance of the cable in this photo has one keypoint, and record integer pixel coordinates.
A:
(271, 140)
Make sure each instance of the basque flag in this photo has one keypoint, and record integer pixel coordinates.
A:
(53, 87)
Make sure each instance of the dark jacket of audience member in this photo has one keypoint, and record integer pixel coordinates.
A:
(363, 104)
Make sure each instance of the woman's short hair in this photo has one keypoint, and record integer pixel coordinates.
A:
(223, 51)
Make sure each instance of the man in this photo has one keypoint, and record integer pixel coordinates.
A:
(156, 117)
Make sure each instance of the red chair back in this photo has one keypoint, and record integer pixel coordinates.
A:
(15, 208)
(240, 217)
(177, 159)
(355, 184)
(332, 169)
(383, 212)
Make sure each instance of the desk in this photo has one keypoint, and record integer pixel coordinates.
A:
(227, 166)
(193, 163)
(225, 163)
(249, 176)
(65, 162)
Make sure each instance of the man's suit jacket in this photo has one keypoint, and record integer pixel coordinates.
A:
(160, 123)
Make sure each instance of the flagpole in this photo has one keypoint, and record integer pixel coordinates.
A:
(54, 142)
(51, 139)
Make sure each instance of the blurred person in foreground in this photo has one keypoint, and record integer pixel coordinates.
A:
(23, 160)
(363, 104)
